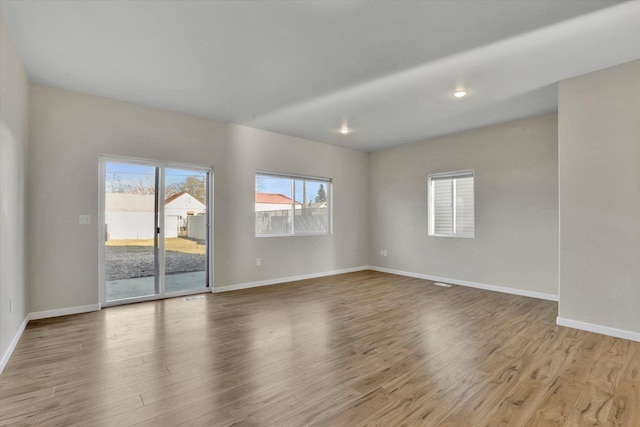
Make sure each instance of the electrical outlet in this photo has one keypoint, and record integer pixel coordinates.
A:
(258, 262)
(383, 252)
(84, 219)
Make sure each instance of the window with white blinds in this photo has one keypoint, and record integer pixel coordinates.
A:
(451, 204)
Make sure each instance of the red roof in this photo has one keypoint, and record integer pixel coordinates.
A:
(279, 199)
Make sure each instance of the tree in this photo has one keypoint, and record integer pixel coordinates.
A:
(193, 185)
(321, 196)
(144, 186)
(116, 184)
(260, 184)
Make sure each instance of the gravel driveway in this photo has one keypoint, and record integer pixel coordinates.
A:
(127, 262)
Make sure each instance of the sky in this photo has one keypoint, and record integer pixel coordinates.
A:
(134, 174)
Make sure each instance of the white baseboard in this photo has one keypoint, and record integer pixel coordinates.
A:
(63, 311)
(248, 285)
(14, 342)
(503, 289)
(599, 329)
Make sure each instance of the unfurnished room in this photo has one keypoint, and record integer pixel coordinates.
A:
(320, 213)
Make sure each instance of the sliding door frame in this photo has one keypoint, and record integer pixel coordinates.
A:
(160, 166)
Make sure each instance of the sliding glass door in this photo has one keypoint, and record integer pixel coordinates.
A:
(131, 248)
(155, 227)
(185, 229)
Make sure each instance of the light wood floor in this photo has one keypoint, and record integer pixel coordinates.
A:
(359, 349)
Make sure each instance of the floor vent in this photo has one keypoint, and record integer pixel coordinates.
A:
(192, 298)
(446, 285)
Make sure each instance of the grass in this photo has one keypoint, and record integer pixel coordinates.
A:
(177, 244)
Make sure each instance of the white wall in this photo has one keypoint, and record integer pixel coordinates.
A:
(70, 130)
(516, 206)
(137, 225)
(14, 96)
(184, 204)
(599, 153)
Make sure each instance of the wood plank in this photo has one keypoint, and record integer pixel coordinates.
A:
(357, 349)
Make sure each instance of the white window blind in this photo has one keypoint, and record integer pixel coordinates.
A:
(451, 204)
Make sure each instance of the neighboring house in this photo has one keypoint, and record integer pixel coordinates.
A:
(317, 205)
(131, 216)
(188, 214)
(183, 204)
(273, 202)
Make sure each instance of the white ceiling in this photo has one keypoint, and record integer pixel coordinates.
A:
(386, 69)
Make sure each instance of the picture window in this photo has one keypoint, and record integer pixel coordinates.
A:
(288, 205)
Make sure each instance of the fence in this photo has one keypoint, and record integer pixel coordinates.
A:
(140, 226)
(307, 220)
(196, 227)
(136, 225)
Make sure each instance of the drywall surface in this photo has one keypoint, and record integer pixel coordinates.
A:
(599, 160)
(516, 206)
(14, 97)
(69, 131)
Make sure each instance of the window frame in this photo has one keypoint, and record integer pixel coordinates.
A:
(328, 188)
(453, 176)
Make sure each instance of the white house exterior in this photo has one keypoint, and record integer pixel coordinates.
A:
(183, 204)
(188, 213)
(131, 216)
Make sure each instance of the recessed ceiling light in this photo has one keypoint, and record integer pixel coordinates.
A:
(460, 93)
(344, 130)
